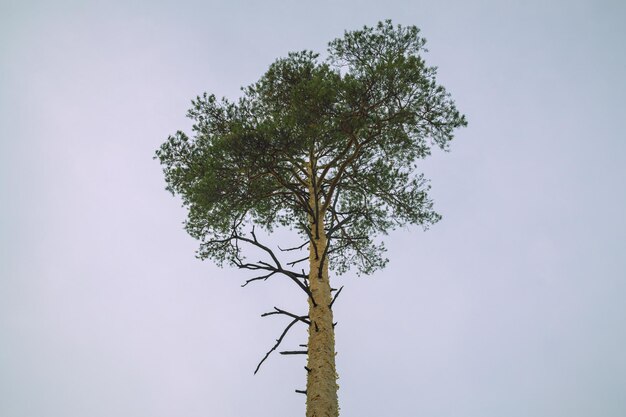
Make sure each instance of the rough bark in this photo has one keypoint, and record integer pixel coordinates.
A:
(322, 385)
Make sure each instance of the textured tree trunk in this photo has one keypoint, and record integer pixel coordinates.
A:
(321, 398)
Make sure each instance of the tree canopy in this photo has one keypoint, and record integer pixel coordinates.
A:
(352, 125)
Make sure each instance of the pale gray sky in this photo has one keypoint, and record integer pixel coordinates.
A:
(513, 305)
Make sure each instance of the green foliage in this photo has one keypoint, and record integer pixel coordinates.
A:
(359, 121)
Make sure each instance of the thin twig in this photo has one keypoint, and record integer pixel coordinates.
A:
(294, 248)
(335, 297)
(286, 313)
(262, 277)
(297, 261)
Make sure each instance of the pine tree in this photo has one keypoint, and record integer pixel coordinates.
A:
(327, 148)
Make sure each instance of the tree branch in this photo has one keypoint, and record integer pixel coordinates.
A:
(294, 248)
(278, 341)
(286, 313)
(277, 268)
(262, 277)
(297, 261)
(335, 297)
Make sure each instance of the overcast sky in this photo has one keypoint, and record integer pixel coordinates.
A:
(513, 305)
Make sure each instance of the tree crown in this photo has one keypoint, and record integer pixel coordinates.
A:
(349, 128)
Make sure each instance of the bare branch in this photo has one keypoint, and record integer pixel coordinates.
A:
(294, 248)
(335, 297)
(278, 341)
(262, 277)
(261, 265)
(286, 313)
(294, 352)
(297, 261)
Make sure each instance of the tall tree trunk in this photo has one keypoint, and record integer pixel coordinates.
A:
(321, 398)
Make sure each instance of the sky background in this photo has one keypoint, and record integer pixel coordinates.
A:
(513, 305)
